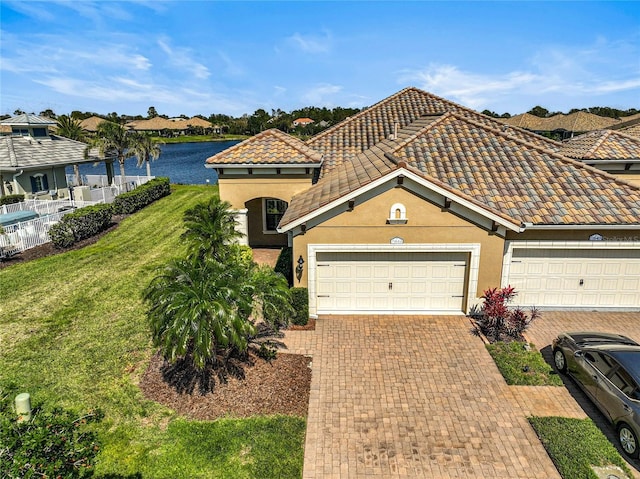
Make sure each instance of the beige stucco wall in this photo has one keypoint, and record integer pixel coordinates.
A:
(427, 223)
(255, 223)
(238, 191)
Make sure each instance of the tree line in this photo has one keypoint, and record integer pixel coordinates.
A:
(322, 118)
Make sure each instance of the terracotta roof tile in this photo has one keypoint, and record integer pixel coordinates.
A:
(603, 145)
(269, 147)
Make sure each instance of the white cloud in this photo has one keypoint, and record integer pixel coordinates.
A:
(181, 58)
(320, 94)
(556, 74)
(312, 43)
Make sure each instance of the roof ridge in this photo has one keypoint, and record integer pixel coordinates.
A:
(558, 156)
(357, 115)
(296, 143)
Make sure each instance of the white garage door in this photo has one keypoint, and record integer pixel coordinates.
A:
(576, 278)
(390, 282)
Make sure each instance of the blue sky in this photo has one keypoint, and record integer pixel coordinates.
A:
(204, 57)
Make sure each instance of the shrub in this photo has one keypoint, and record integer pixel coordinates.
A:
(10, 199)
(81, 224)
(300, 303)
(54, 443)
(143, 195)
(496, 320)
(284, 264)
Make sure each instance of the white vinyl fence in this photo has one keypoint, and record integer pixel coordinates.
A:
(21, 236)
(28, 234)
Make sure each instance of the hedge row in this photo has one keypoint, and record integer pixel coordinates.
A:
(91, 220)
(300, 303)
(10, 199)
(81, 224)
(128, 203)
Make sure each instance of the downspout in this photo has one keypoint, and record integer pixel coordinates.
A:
(15, 182)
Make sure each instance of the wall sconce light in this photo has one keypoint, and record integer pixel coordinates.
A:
(299, 268)
(8, 186)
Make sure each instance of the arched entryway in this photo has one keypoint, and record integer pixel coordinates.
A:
(263, 216)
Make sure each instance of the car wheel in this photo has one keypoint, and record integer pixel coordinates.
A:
(628, 440)
(560, 360)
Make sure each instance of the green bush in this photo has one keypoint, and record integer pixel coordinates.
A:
(143, 195)
(300, 303)
(10, 199)
(81, 224)
(284, 264)
(54, 443)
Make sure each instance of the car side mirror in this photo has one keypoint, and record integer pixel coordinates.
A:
(578, 354)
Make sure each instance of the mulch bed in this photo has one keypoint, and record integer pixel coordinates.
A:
(259, 387)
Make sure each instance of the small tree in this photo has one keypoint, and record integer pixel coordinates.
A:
(497, 320)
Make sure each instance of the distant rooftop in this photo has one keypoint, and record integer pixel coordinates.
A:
(28, 119)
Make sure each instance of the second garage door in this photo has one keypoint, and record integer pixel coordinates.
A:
(390, 282)
(567, 278)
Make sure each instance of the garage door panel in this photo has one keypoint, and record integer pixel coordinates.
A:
(576, 277)
(397, 282)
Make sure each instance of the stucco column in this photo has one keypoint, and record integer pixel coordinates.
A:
(242, 220)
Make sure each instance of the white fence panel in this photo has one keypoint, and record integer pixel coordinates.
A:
(27, 234)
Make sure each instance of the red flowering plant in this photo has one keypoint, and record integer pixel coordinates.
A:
(499, 322)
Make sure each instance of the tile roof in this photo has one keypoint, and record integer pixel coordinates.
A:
(633, 130)
(360, 132)
(603, 145)
(576, 121)
(268, 147)
(25, 119)
(91, 123)
(502, 172)
(31, 153)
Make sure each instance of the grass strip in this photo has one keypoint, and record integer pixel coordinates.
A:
(522, 364)
(575, 445)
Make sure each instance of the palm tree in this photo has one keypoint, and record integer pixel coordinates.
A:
(209, 228)
(204, 307)
(145, 149)
(198, 310)
(113, 141)
(70, 128)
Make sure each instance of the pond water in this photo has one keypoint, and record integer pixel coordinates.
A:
(182, 162)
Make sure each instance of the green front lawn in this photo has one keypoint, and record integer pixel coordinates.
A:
(73, 333)
(522, 366)
(575, 445)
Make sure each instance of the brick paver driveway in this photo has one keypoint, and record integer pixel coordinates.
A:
(414, 397)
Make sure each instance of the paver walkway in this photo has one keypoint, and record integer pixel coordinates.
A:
(407, 396)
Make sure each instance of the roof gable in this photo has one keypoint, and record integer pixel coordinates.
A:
(269, 147)
(603, 145)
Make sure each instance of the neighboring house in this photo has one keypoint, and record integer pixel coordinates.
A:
(302, 121)
(418, 205)
(563, 126)
(177, 126)
(91, 124)
(33, 162)
(613, 151)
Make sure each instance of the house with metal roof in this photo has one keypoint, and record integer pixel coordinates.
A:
(418, 205)
(33, 162)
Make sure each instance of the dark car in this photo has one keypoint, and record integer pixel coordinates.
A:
(607, 368)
